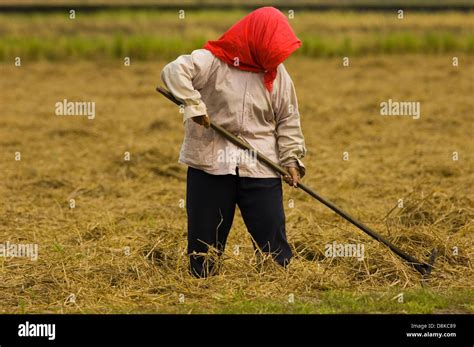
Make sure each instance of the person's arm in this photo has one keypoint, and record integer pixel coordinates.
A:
(290, 138)
(183, 77)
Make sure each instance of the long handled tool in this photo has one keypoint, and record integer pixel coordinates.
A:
(423, 268)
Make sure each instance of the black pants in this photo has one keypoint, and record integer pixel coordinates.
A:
(211, 201)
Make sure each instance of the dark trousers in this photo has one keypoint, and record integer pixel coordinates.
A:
(210, 204)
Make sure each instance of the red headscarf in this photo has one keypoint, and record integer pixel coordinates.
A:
(259, 42)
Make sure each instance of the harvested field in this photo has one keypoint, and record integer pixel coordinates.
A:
(137, 204)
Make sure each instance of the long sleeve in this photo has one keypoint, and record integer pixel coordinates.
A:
(290, 138)
(184, 77)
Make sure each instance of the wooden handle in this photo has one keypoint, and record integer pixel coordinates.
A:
(244, 145)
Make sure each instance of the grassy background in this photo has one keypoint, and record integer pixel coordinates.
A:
(151, 35)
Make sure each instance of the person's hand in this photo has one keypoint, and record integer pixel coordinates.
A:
(202, 120)
(293, 176)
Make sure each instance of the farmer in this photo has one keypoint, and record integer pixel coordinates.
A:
(240, 83)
